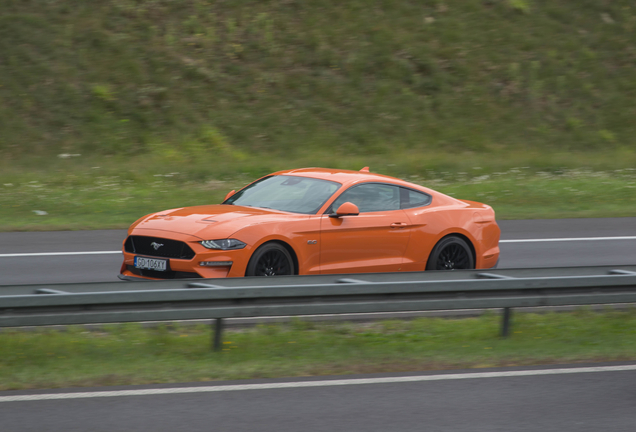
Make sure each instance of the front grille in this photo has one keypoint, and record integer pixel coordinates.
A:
(169, 248)
(162, 274)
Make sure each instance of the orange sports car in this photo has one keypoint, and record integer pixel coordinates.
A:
(314, 221)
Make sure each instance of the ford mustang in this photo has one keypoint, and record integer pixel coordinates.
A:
(314, 221)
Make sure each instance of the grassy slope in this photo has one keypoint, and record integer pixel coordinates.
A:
(228, 90)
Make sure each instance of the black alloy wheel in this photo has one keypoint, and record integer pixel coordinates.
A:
(271, 259)
(451, 253)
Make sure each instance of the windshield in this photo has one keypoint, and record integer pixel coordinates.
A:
(286, 193)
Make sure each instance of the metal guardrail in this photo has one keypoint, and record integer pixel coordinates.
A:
(216, 299)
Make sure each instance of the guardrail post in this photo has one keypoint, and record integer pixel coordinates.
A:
(505, 322)
(218, 334)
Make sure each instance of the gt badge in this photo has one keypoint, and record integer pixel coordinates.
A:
(312, 241)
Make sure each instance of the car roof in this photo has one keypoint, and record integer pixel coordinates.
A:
(348, 178)
(345, 177)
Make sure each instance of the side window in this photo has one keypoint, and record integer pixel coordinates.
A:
(411, 198)
(371, 197)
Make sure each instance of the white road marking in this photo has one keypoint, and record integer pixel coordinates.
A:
(500, 241)
(566, 239)
(58, 254)
(326, 383)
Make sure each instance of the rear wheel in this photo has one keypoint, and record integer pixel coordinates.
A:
(271, 259)
(451, 253)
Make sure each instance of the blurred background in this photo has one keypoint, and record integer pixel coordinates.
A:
(113, 109)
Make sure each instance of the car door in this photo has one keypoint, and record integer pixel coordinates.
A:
(373, 241)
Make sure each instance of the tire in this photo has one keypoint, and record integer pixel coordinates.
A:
(451, 253)
(271, 259)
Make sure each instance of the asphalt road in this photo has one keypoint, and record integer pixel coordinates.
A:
(450, 401)
(458, 401)
(517, 250)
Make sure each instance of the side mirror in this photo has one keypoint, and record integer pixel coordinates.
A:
(229, 194)
(346, 209)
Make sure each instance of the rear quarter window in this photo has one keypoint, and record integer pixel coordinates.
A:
(410, 198)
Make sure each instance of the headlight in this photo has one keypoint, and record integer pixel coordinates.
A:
(224, 244)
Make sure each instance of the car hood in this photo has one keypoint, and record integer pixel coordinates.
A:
(211, 221)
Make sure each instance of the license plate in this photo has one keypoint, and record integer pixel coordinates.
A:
(151, 263)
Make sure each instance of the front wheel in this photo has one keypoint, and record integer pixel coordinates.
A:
(451, 253)
(271, 259)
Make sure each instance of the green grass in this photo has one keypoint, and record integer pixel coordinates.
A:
(92, 199)
(229, 91)
(233, 78)
(130, 354)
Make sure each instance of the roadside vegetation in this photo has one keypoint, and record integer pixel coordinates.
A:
(131, 354)
(90, 200)
(112, 109)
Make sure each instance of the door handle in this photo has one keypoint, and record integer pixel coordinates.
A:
(399, 225)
